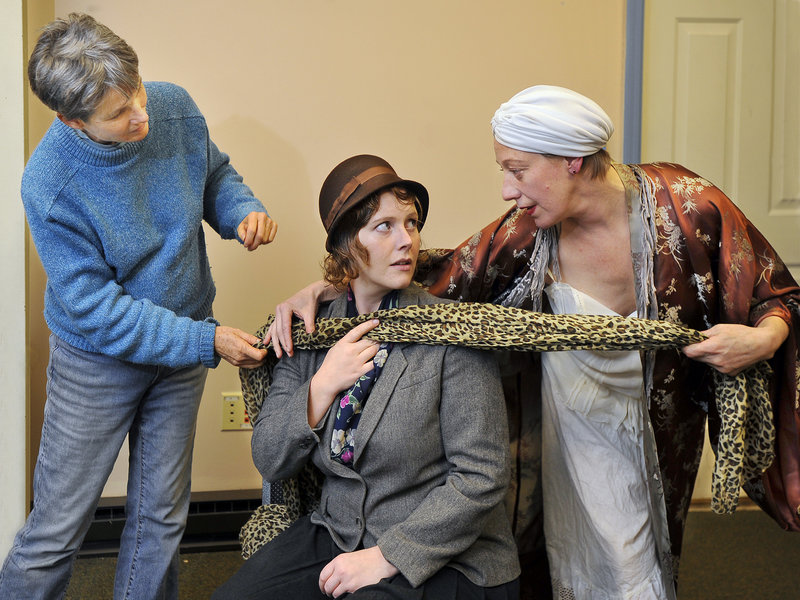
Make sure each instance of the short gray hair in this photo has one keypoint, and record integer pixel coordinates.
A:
(76, 61)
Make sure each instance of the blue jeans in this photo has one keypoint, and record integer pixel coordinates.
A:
(93, 402)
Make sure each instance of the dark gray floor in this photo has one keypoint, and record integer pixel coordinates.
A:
(745, 555)
(200, 574)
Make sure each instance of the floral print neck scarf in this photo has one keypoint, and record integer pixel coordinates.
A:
(349, 406)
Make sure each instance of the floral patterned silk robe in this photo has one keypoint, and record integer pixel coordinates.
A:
(698, 262)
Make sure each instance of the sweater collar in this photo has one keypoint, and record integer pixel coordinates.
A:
(89, 152)
(104, 147)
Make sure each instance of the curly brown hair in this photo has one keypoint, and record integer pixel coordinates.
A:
(341, 264)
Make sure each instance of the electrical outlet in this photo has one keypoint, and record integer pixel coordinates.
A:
(234, 415)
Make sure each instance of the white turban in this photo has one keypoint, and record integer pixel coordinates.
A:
(546, 119)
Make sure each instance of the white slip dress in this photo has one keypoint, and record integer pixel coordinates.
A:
(597, 509)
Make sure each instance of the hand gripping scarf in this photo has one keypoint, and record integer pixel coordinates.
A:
(351, 402)
(742, 401)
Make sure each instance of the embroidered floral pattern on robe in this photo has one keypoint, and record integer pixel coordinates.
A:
(709, 265)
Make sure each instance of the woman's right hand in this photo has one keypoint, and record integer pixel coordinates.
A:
(348, 359)
(303, 304)
(350, 571)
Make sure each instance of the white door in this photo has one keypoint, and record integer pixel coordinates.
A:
(721, 95)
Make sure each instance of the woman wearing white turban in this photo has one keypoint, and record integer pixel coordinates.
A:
(599, 524)
(621, 433)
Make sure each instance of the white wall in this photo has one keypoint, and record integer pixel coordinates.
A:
(13, 376)
(289, 89)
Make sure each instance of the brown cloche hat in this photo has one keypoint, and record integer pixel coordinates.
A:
(352, 180)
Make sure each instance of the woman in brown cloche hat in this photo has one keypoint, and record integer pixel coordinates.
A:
(412, 440)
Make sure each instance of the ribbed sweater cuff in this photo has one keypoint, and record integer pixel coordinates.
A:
(208, 356)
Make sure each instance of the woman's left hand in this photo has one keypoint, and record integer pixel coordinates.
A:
(236, 347)
(351, 571)
(732, 348)
(256, 229)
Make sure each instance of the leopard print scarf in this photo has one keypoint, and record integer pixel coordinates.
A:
(747, 435)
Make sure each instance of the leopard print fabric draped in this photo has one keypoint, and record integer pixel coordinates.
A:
(747, 436)
(746, 445)
(482, 326)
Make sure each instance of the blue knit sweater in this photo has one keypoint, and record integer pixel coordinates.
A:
(120, 234)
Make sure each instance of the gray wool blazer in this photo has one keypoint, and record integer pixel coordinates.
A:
(431, 463)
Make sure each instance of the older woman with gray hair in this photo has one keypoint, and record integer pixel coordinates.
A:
(115, 195)
(608, 443)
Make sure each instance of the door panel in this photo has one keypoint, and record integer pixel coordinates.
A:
(721, 95)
